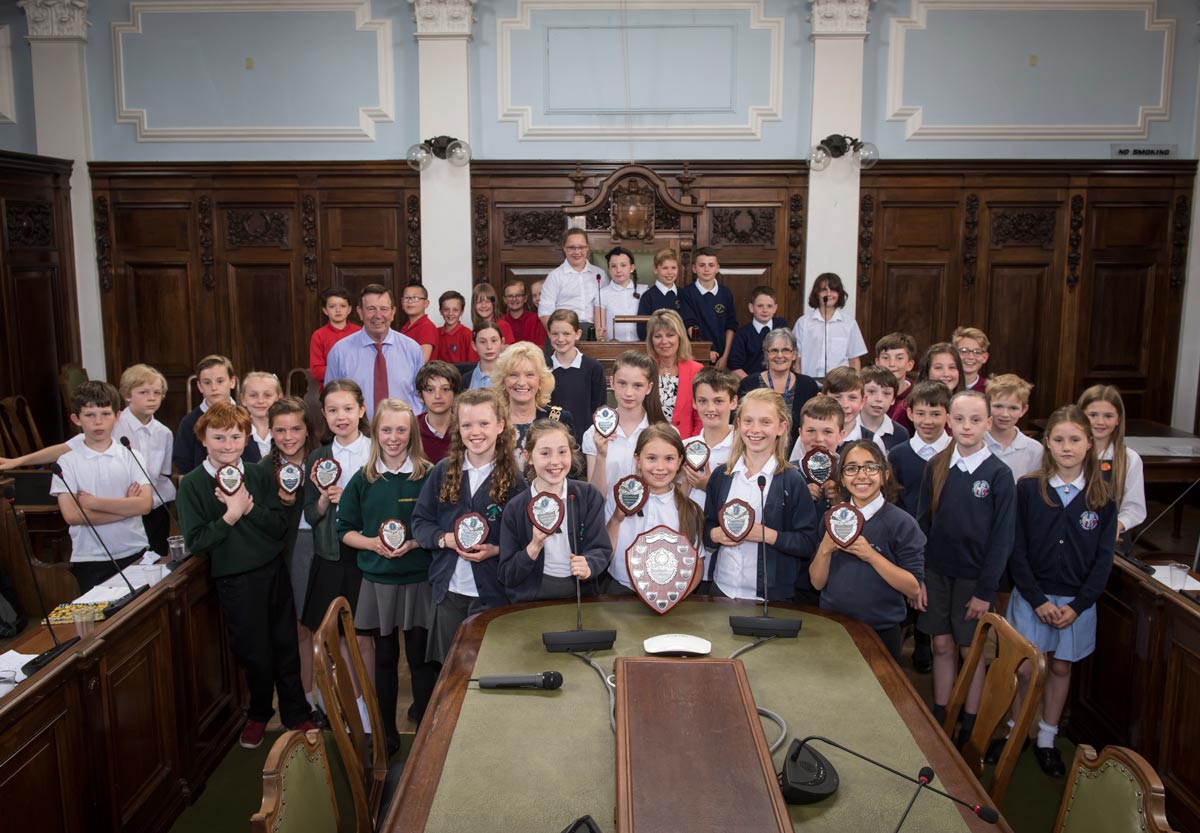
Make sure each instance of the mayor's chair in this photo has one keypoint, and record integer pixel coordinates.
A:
(1115, 791)
(999, 691)
(298, 795)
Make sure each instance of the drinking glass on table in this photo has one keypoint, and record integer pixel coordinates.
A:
(8, 681)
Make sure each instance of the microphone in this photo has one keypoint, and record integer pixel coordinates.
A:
(128, 447)
(114, 606)
(577, 640)
(923, 779)
(764, 625)
(798, 791)
(547, 681)
(43, 658)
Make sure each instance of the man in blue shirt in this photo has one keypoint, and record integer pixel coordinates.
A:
(381, 360)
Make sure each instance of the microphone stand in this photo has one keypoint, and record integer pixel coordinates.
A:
(113, 606)
(170, 512)
(578, 640)
(764, 625)
(923, 779)
(45, 657)
(600, 304)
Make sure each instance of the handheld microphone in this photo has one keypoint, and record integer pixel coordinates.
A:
(546, 681)
(815, 790)
(923, 779)
(114, 606)
(764, 626)
(578, 639)
(128, 447)
(43, 658)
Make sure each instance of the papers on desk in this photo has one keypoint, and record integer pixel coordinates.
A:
(1164, 446)
(12, 661)
(1163, 574)
(114, 588)
(103, 593)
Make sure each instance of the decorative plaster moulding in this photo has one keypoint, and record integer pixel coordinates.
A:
(522, 115)
(56, 19)
(443, 18)
(363, 131)
(913, 118)
(8, 93)
(839, 18)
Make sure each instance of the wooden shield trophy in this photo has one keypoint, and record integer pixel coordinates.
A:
(664, 568)
(470, 531)
(546, 512)
(631, 494)
(736, 518)
(393, 533)
(327, 471)
(229, 479)
(817, 465)
(605, 421)
(844, 523)
(695, 454)
(290, 477)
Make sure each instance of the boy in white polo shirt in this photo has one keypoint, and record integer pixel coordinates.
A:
(1008, 394)
(109, 486)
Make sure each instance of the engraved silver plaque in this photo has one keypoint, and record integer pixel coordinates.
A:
(229, 479)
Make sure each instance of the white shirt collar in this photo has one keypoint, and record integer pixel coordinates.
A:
(212, 470)
(612, 286)
(704, 291)
(567, 267)
(871, 508)
(91, 453)
(760, 327)
(727, 442)
(816, 315)
(487, 467)
(576, 363)
(937, 445)
(885, 427)
(405, 468)
(1079, 482)
(353, 448)
(855, 433)
(768, 469)
(664, 289)
(969, 464)
(665, 497)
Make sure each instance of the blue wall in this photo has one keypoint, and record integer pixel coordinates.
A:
(20, 137)
(1094, 69)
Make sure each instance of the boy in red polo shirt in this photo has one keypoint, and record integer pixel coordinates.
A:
(525, 325)
(454, 340)
(335, 303)
(414, 301)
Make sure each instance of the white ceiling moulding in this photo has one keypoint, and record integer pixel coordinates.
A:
(368, 117)
(522, 115)
(911, 114)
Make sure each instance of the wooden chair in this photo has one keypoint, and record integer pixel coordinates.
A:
(19, 425)
(298, 794)
(1116, 791)
(57, 582)
(364, 755)
(999, 692)
(190, 389)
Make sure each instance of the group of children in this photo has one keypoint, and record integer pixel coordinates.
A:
(959, 505)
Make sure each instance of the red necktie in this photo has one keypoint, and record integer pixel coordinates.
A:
(381, 382)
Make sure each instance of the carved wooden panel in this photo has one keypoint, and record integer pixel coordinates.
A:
(1023, 226)
(1125, 226)
(29, 225)
(371, 227)
(743, 226)
(928, 226)
(263, 328)
(153, 295)
(258, 227)
(1014, 324)
(152, 227)
(533, 227)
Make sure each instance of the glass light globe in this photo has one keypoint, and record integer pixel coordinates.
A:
(866, 155)
(819, 157)
(458, 153)
(419, 157)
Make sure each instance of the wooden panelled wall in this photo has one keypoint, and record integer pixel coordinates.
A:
(1075, 269)
(37, 286)
(231, 257)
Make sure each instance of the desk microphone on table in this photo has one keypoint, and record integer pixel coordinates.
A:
(578, 640)
(809, 777)
(157, 494)
(43, 658)
(114, 606)
(764, 625)
(547, 681)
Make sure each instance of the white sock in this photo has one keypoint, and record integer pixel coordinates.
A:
(1046, 734)
(362, 715)
(1008, 732)
(311, 697)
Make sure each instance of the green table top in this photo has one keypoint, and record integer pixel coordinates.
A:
(536, 760)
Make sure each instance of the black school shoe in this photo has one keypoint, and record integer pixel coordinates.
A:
(996, 749)
(1050, 761)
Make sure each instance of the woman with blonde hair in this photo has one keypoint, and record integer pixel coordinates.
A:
(667, 342)
(524, 384)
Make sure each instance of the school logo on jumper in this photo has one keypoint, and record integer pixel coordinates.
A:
(981, 488)
(1089, 520)
(719, 309)
(493, 512)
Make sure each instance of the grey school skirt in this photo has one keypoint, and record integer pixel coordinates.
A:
(387, 607)
(448, 615)
(300, 566)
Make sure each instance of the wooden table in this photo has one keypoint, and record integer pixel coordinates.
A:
(1177, 471)
(536, 760)
(121, 731)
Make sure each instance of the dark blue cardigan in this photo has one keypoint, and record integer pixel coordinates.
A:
(431, 518)
(790, 512)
